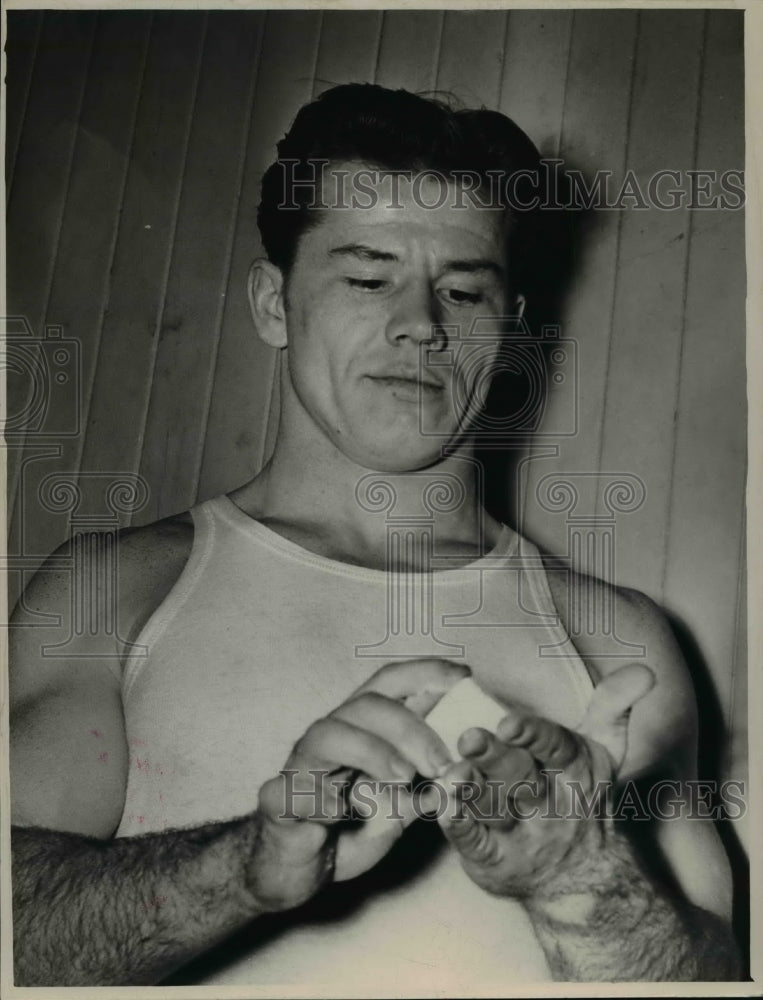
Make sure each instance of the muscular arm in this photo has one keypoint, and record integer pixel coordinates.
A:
(607, 905)
(607, 920)
(88, 909)
(89, 912)
(627, 923)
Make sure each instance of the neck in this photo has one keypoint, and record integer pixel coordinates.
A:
(313, 494)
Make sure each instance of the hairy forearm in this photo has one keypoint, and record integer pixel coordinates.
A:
(605, 920)
(90, 912)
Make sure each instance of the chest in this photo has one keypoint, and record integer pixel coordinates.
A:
(238, 673)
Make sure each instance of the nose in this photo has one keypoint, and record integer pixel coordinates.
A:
(414, 316)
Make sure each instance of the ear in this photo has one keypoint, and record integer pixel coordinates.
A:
(519, 306)
(265, 289)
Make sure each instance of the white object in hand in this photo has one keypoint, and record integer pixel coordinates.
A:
(464, 706)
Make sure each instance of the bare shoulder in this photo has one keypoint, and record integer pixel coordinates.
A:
(149, 561)
(63, 627)
(69, 752)
(664, 722)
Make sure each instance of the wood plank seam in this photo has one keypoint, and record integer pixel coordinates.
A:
(232, 229)
(140, 438)
(22, 117)
(616, 276)
(682, 332)
(15, 484)
(87, 391)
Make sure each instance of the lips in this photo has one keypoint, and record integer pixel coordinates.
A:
(411, 377)
(409, 387)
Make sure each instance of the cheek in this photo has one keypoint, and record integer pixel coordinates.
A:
(324, 359)
(474, 371)
(333, 337)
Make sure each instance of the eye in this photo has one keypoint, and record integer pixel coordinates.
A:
(367, 284)
(459, 297)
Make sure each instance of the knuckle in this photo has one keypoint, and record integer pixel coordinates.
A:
(313, 736)
(269, 795)
(448, 668)
(368, 700)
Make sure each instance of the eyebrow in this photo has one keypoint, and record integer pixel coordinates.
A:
(362, 251)
(468, 266)
(474, 264)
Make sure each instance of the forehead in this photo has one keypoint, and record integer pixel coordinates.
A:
(422, 207)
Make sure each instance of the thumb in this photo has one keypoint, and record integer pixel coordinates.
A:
(606, 719)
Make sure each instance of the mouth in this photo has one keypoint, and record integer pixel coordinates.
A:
(409, 387)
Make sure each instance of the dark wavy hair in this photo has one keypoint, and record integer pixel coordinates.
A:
(398, 131)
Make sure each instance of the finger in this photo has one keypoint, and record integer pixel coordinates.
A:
(362, 847)
(552, 745)
(421, 682)
(333, 742)
(471, 838)
(618, 692)
(375, 801)
(317, 798)
(288, 860)
(364, 844)
(509, 772)
(404, 731)
(606, 719)
(498, 762)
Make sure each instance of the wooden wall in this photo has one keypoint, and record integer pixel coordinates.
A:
(135, 146)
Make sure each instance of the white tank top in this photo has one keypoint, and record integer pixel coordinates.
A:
(257, 640)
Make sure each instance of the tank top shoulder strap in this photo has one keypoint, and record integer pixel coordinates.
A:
(203, 519)
(536, 574)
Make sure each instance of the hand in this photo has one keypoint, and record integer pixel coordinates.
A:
(304, 838)
(511, 844)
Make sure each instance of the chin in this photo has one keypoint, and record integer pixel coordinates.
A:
(398, 464)
(399, 456)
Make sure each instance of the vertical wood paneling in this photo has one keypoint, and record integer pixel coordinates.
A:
(349, 48)
(533, 89)
(239, 407)
(410, 47)
(471, 56)
(198, 277)
(42, 173)
(597, 109)
(648, 311)
(88, 232)
(710, 457)
(535, 69)
(148, 216)
(25, 26)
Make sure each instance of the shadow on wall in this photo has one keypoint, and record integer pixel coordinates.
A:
(712, 761)
(558, 246)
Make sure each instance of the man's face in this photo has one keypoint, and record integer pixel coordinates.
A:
(375, 299)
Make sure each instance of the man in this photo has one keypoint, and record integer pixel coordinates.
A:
(240, 778)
